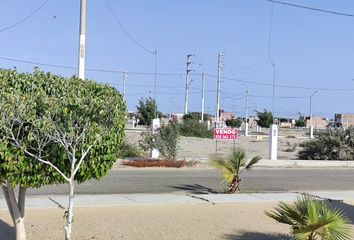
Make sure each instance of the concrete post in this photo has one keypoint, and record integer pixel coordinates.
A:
(273, 142)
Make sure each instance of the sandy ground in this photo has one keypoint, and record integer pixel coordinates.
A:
(192, 148)
(188, 221)
(236, 221)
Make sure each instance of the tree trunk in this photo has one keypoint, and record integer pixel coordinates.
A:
(16, 208)
(234, 185)
(69, 217)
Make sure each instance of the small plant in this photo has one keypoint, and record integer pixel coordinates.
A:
(312, 219)
(165, 140)
(232, 166)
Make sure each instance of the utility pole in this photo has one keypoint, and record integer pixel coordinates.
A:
(220, 67)
(124, 79)
(82, 40)
(188, 70)
(155, 82)
(311, 124)
(203, 83)
(246, 124)
(273, 131)
(273, 64)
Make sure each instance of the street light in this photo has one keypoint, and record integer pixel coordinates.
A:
(311, 126)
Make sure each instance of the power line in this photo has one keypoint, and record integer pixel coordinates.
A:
(177, 74)
(25, 18)
(126, 31)
(282, 86)
(89, 69)
(311, 8)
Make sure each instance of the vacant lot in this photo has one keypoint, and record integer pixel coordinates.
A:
(192, 148)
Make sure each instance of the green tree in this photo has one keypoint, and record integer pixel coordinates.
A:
(56, 130)
(234, 123)
(146, 111)
(300, 123)
(232, 166)
(265, 119)
(312, 219)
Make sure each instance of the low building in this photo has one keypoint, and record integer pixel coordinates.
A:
(316, 122)
(344, 120)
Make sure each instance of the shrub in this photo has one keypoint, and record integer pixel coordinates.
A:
(194, 128)
(332, 144)
(129, 150)
(165, 140)
(234, 123)
(300, 123)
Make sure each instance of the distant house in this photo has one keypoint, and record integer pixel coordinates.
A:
(316, 122)
(344, 120)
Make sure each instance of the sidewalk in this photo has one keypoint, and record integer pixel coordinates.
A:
(116, 200)
(304, 163)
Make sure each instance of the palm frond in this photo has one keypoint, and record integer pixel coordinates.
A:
(309, 217)
(253, 161)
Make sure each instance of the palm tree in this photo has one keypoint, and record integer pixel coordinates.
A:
(311, 218)
(232, 166)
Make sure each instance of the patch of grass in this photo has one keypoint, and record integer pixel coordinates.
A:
(140, 163)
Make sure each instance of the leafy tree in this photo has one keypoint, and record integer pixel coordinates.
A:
(234, 123)
(232, 166)
(165, 140)
(146, 111)
(300, 123)
(312, 219)
(265, 119)
(56, 130)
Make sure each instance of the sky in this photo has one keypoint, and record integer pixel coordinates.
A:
(312, 51)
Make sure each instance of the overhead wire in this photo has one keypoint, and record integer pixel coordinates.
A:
(177, 74)
(126, 31)
(311, 8)
(25, 18)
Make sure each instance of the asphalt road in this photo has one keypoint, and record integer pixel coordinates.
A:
(208, 180)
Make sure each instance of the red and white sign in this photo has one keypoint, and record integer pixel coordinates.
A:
(225, 134)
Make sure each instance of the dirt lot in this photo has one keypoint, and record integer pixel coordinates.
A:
(192, 148)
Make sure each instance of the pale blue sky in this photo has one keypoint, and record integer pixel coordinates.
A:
(311, 49)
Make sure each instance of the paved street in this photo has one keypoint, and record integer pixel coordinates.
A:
(207, 180)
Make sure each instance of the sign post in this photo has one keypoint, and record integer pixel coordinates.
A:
(224, 134)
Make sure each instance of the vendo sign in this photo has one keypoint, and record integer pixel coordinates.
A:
(225, 134)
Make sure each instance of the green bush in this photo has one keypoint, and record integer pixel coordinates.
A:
(234, 123)
(332, 144)
(129, 150)
(194, 128)
(165, 140)
(300, 123)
